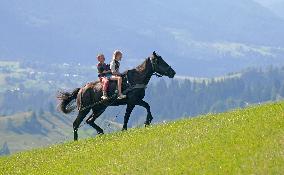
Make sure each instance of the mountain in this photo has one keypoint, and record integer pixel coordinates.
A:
(199, 38)
(276, 6)
(247, 141)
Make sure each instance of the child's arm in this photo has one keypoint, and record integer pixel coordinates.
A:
(107, 69)
(100, 69)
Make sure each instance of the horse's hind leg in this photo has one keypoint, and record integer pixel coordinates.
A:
(78, 121)
(92, 118)
(149, 114)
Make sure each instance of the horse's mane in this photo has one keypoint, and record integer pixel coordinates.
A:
(139, 69)
(138, 74)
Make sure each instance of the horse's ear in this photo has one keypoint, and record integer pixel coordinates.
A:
(154, 53)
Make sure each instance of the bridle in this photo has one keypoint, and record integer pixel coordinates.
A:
(154, 68)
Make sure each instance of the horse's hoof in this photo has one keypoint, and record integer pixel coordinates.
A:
(100, 133)
(124, 129)
(146, 125)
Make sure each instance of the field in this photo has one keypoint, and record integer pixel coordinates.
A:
(245, 141)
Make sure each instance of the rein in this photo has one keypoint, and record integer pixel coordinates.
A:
(157, 75)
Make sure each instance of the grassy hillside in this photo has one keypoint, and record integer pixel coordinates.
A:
(249, 141)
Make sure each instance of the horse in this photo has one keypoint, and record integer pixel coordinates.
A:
(134, 82)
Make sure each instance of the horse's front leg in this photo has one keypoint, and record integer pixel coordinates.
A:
(129, 109)
(149, 114)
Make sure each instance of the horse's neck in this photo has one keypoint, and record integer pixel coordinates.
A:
(144, 74)
(148, 72)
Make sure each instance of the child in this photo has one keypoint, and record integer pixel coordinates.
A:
(104, 74)
(114, 67)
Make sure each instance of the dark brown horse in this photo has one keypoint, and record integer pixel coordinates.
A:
(134, 84)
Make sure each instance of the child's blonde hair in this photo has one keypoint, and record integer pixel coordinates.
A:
(115, 53)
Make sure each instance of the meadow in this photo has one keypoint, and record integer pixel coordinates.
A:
(242, 141)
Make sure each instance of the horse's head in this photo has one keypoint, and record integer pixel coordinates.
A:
(161, 67)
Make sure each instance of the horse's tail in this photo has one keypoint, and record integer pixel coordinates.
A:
(65, 99)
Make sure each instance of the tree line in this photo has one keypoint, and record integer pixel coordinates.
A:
(192, 97)
(176, 98)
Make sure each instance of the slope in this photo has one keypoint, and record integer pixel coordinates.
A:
(248, 141)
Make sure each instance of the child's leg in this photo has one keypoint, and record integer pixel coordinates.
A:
(119, 85)
(119, 80)
(105, 85)
(104, 82)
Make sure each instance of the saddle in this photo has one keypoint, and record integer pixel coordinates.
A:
(97, 86)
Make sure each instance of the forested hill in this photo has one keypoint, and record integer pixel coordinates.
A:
(193, 97)
(26, 86)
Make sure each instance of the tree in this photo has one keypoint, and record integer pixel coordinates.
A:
(51, 108)
(281, 91)
(4, 150)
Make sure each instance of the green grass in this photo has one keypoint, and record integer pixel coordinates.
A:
(249, 141)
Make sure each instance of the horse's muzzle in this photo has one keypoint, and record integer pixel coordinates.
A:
(172, 73)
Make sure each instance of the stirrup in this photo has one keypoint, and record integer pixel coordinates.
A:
(121, 97)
